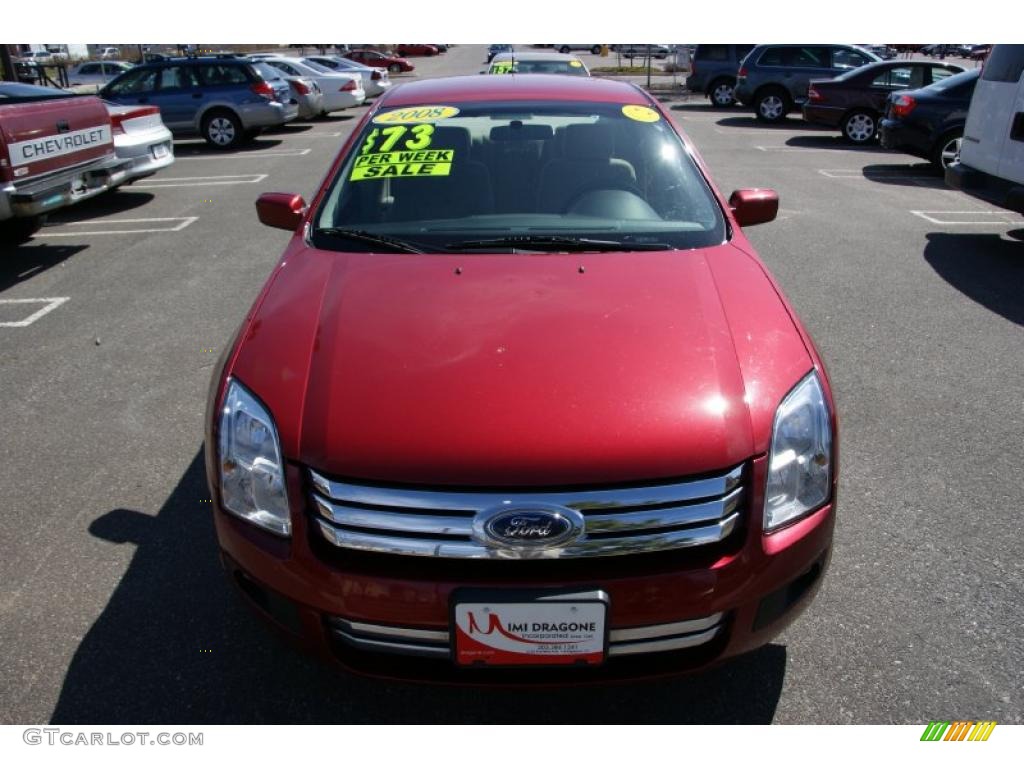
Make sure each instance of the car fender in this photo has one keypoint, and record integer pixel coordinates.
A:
(231, 106)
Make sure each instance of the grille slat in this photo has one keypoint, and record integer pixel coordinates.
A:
(583, 500)
(441, 523)
(653, 638)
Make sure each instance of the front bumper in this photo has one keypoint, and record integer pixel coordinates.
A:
(35, 197)
(749, 587)
(994, 190)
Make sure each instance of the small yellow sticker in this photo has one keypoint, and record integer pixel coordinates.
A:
(642, 114)
(575, 63)
(501, 68)
(416, 115)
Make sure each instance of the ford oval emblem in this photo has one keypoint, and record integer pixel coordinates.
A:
(527, 526)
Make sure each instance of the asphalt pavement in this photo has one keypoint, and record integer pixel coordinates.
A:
(114, 607)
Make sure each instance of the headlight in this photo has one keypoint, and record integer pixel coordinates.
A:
(251, 470)
(800, 460)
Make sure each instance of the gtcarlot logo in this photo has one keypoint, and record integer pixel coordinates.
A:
(72, 738)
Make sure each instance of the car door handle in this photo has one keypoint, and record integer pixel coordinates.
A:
(143, 100)
(197, 95)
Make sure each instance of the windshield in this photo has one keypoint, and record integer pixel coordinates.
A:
(535, 67)
(441, 175)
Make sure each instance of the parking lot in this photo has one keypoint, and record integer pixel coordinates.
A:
(115, 608)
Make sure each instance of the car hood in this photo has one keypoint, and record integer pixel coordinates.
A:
(521, 369)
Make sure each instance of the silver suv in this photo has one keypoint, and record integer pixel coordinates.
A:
(773, 79)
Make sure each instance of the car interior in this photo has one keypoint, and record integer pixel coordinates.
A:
(596, 166)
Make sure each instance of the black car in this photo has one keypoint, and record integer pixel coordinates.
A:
(713, 71)
(854, 101)
(929, 122)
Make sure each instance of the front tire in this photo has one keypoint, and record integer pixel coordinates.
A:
(564, 49)
(222, 129)
(860, 127)
(772, 105)
(596, 50)
(721, 93)
(394, 69)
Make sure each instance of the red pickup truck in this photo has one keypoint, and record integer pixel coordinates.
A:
(55, 149)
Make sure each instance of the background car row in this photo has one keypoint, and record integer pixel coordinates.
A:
(60, 149)
(225, 99)
(865, 92)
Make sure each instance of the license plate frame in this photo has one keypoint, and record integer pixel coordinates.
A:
(160, 151)
(525, 647)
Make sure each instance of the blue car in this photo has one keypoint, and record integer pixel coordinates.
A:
(224, 99)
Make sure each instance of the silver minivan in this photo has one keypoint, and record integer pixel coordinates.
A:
(991, 164)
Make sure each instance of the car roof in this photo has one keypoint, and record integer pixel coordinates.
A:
(540, 87)
(535, 56)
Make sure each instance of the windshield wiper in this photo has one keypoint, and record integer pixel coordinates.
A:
(362, 236)
(555, 243)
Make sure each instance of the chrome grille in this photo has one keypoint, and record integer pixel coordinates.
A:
(618, 521)
(408, 641)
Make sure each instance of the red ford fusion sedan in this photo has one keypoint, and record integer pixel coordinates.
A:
(520, 403)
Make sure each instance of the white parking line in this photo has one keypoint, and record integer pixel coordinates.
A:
(984, 218)
(51, 304)
(858, 173)
(201, 181)
(183, 221)
(764, 148)
(197, 155)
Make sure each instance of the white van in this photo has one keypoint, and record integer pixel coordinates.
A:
(991, 165)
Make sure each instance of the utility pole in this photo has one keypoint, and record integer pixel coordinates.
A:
(8, 63)
(648, 67)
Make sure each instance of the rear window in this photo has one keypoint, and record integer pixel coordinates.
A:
(444, 175)
(1005, 64)
(805, 56)
(712, 53)
(961, 84)
(267, 71)
(223, 74)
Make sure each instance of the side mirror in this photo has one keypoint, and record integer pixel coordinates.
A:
(281, 209)
(754, 206)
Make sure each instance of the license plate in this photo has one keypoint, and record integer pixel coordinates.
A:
(520, 629)
(159, 151)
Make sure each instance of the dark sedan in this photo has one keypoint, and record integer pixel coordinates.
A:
(854, 101)
(929, 122)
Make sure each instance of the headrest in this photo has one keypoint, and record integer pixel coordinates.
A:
(516, 131)
(589, 142)
(451, 137)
